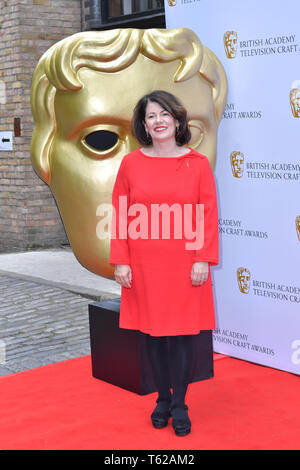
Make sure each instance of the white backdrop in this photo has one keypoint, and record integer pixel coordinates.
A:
(258, 43)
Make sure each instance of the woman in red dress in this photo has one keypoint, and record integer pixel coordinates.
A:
(164, 196)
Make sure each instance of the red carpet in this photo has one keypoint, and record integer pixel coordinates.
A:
(62, 406)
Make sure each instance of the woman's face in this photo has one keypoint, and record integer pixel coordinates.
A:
(159, 123)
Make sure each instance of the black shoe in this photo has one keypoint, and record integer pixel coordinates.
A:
(161, 413)
(181, 422)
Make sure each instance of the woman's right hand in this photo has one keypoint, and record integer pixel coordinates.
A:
(123, 274)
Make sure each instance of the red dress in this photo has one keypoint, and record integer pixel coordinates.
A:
(162, 300)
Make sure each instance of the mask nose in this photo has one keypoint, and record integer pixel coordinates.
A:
(130, 144)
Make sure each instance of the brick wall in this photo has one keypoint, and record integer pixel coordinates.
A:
(28, 214)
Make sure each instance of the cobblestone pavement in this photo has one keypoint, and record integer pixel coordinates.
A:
(40, 324)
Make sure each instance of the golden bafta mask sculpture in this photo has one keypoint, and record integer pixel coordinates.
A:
(86, 86)
(297, 221)
(295, 102)
(243, 276)
(230, 44)
(237, 164)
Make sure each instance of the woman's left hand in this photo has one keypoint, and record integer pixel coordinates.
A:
(199, 273)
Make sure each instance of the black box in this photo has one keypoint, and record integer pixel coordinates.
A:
(119, 356)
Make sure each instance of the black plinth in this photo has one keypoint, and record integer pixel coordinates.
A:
(119, 356)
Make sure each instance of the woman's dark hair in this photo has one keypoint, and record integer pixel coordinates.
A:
(171, 104)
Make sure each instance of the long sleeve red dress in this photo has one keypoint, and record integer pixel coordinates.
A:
(148, 197)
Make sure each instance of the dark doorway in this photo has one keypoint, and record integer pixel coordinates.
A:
(111, 14)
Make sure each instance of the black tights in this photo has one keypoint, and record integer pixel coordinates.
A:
(171, 354)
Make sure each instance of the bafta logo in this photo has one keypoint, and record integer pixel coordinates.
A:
(172, 3)
(295, 102)
(298, 226)
(230, 44)
(243, 276)
(237, 164)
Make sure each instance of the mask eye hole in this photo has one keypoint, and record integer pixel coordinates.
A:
(197, 133)
(101, 140)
